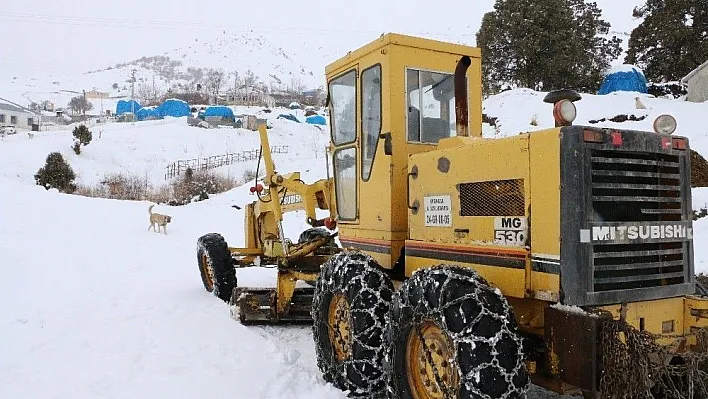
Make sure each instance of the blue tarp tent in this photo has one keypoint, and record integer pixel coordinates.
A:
(147, 113)
(218, 110)
(289, 117)
(124, 106)
(173, 107)
(624, 78)
(316, 120)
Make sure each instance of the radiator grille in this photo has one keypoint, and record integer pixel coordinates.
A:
(493, 198)
(637, 188)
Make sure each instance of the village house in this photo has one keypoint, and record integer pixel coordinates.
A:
(16, 116)
(94, 94)
(696, 83)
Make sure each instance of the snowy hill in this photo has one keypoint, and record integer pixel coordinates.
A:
(188, 65)
(242, 57)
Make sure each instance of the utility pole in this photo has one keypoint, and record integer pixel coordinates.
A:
(132, 96)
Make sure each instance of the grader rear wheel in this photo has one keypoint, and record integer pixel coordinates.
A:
(352, 298)
(215, 265)
(452, 336)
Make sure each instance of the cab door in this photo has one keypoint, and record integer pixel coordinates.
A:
(362, 168)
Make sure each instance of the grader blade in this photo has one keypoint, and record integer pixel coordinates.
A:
(253, 306)
(285, 303)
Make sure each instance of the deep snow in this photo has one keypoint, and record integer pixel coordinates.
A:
(94, 305)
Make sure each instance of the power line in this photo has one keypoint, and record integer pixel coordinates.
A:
(181, 25)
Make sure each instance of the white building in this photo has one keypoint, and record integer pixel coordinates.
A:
(16, 116)
(697, 84)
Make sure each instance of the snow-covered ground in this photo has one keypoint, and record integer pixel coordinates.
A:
(516, 109)
(146, 148)
(94, 305)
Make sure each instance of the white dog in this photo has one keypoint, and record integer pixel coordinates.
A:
(159, 220)
(30, 135)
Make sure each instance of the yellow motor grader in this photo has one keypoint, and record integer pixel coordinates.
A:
(471, 267)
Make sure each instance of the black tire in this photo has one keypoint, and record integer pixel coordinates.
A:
(478, 323)
(359, 280)
(213, 256)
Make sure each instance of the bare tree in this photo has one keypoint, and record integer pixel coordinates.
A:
(79, 104)
(215, 78)
(250, 79)
(297, 86)
(149, 94)
(237, 81)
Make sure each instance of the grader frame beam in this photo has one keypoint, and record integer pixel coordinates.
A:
(266, 244)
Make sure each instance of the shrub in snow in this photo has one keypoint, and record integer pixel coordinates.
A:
(76, 146)
(669, 89)
(703, 279)
(56, 173)
(699, 170)
(196, 186)
(82, 136)
(248, 175)
(703, 212)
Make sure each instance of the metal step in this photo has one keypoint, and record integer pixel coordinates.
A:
(258, 306)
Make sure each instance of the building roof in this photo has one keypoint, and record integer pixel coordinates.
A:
(9, 107)
(694, 72)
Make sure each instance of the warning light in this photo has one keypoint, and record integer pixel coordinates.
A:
(616, 138)
(666, 143)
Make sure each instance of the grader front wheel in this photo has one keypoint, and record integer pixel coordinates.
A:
(452, 336)
(351, 300)
(215, 265)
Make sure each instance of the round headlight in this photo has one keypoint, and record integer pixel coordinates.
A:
(564, 112)
(665, 124)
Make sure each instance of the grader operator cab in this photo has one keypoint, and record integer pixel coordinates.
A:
(562, 256)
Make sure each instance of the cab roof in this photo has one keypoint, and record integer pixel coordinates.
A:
(406, 41)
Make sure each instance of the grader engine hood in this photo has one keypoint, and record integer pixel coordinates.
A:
(626, 219)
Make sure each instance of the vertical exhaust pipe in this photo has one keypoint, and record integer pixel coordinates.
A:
(461, 108)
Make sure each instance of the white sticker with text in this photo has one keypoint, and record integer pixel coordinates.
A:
(510, 231)
(438, 211)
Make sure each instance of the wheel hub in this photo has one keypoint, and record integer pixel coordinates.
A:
(430, 363)
(339, 328)
(208, 272)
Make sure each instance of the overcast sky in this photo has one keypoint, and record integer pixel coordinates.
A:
(81, 35)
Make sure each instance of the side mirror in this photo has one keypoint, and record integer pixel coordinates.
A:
(388, 145)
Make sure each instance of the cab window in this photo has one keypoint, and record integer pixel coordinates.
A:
(342, 95)
(370, 117)
(430, 98)
(345, 182)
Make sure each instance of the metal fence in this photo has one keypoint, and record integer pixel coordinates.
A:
(178, 167)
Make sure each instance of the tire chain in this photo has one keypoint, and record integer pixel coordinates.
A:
(633, 366)
(332, 280)
(466, 335)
